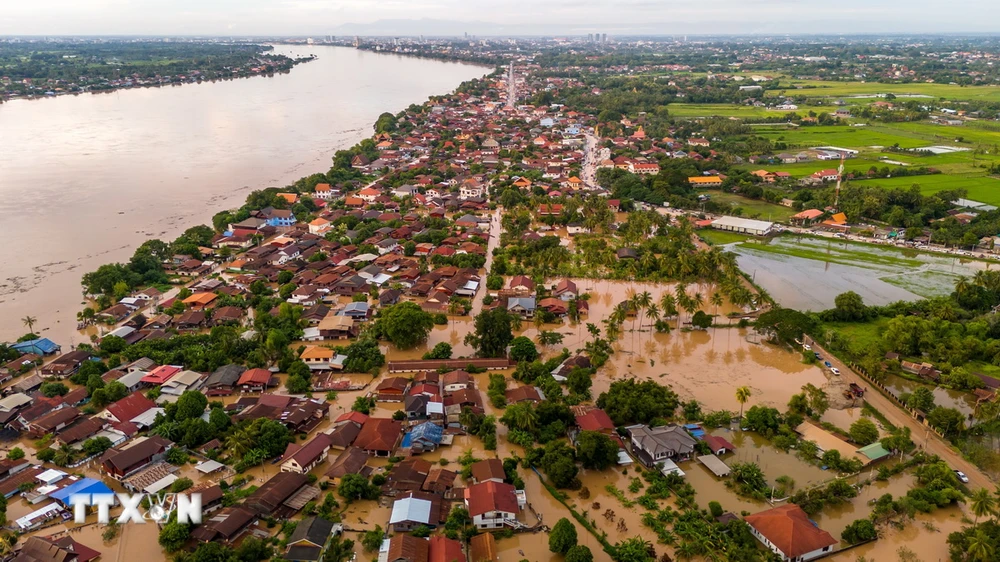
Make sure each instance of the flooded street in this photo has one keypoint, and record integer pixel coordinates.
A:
(152, 162)
(807, 273)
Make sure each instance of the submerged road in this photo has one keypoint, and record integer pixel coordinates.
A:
(922, 436)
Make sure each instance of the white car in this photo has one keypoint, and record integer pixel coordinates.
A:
(807, 347)
(961, 476)
(835, 371)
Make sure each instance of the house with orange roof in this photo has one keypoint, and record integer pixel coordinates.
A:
(200, 301)
(319, 226)
(806, 217)
(291, 198)
(788, 532)
(706, 181)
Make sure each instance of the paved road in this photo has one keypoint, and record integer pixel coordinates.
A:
(901, 418)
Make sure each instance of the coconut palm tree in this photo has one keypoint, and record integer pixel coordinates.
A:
(716, 300)
(29, 321)
(982, 503)
(668, 305)
(742, 396)
(653, 313)
(980, 547)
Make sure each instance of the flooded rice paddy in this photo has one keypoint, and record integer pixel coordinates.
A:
(807, 273)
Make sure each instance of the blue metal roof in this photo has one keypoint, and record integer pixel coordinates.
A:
(88, 486)
(41, 346)
(427, 431)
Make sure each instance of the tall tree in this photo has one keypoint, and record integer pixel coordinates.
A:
(742, 396)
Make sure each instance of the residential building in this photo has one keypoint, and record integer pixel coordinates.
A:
(657, 444)
(492, 504)
(788, 532)
(308, 541)
(302, 459)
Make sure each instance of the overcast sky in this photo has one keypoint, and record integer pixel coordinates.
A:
(305, 17)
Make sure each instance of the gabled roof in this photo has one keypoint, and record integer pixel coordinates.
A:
(490, 496)
(161, 374)
(409, 548)
(790, 530)
(131, 407)
(314, 530)
(351, 461)
(226, 375)
(443, 549)
(595, 420)
(488, 469)
(379, 434)
(255, 376)
(483, 548)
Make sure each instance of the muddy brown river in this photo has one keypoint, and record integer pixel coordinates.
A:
(85, 179)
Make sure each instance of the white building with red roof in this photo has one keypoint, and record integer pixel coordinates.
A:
(493, 504)
(787, 531)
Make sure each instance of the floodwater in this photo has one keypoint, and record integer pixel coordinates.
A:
(964, 402)
(880, 274)
(85, 179)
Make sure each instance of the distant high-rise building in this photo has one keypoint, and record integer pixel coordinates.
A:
(466, 34)
(357, 41)
(590, 37)
(604, 38)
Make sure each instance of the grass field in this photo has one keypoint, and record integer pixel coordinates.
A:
(861, 334)
(839, 135)
(731, 110)
(820, 88)
(721, 237)
(754, 207)
(984, 189)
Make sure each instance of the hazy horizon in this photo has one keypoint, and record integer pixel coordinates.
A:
(515, 17)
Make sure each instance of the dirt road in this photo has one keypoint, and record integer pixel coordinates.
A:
(921, 435)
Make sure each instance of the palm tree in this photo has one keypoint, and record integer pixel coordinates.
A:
(29, 321)
(522, 416)
(716, 300)
(742, 396)
(668, 304)
(653, 313)
(980, 547)
(982, 502)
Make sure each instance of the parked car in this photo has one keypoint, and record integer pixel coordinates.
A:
(818, 356)
(961, 476)
(807, 347)
(835, 371)
(828, 365)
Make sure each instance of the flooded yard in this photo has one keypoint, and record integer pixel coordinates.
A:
(806, 273)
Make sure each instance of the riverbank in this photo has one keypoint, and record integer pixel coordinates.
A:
(85, 67)
(150, 162)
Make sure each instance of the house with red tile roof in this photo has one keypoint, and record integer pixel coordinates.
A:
(161, 374)
(254, 380)
(491, 504)
(596, 420)
(379, 436)
(787, 531)
(443, 549)
(128, 408)
(489, 470)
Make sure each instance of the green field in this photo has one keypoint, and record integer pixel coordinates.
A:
(984, 189)
(732, 110)
(820, 88)
(721, 237)
(839, 135)
(754, 207)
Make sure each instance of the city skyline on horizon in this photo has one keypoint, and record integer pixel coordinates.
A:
(456, 17)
